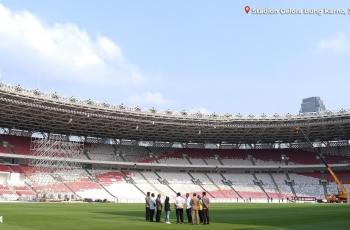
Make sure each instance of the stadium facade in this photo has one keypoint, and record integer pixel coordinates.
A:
(55, 147)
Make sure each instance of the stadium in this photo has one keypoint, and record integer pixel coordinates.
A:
(61, 149)
(174, 115)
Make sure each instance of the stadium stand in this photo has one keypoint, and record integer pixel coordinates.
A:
(130, 186)
(232, 158)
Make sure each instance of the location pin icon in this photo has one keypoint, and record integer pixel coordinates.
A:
(247, 9)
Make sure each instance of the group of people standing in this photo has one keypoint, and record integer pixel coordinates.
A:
(197, 208)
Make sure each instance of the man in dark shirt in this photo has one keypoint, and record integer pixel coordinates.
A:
(159, 207)
(206, 203)
(188, 208)
(147, 200)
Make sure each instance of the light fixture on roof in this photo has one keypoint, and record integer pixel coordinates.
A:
(36, 92)
(105, 104)
(198, 114)
(72, 99)
(18, 88)
(54, 95)
(153, 110)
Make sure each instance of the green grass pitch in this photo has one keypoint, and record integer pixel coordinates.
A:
(29, 216)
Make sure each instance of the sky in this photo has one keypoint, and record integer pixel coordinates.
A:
(193, 55)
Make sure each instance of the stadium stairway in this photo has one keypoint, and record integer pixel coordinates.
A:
(129, 179)
(187, 159)
(27, 187)
(167, 184)
(290, 184)
(231, 187)
(70, 189)
(151, 184)
(218, 158)
(205, 161)
(200, 185)
(96, 180)
(115, 151)
(276, 186)
(17, 168)
(256, 180)
(67, 186)
(213, 182)
(259, 183)
(87, 155)
(157, 161)
(251, 159)
(30, 187)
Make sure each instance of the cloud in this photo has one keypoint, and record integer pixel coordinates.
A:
(62, 50)
(149, 99)
(337, 44)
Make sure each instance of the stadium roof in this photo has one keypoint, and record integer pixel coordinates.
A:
(35, 111)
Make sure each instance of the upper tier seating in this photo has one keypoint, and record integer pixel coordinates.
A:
(18, 145)
(21, 145)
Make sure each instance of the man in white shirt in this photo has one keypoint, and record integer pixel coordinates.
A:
(179, 206)
(152, 207)
(188, 208)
